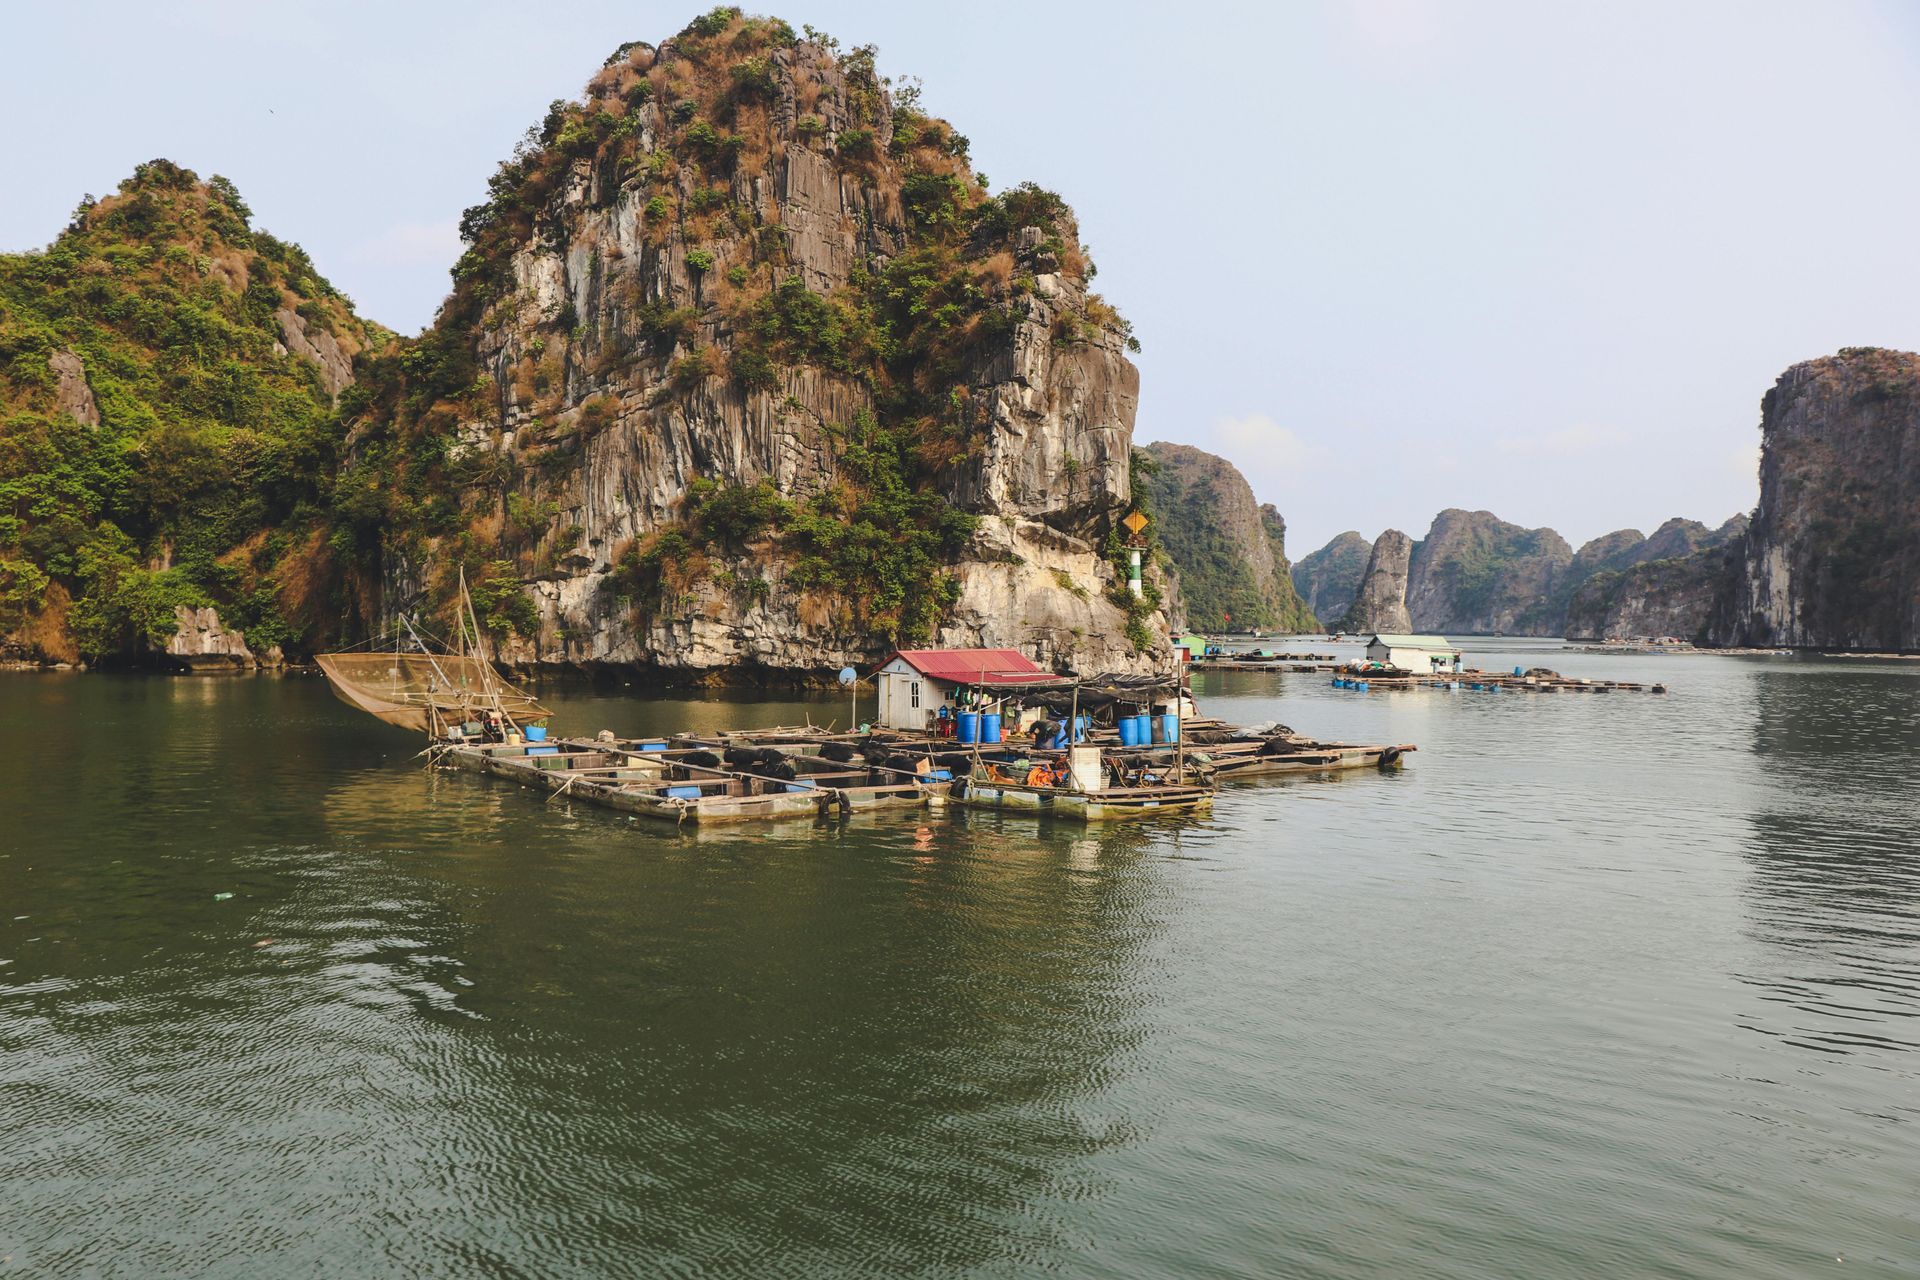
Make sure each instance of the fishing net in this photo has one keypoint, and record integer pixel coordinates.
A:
(424, 691)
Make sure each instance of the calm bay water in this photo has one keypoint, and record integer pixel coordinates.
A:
(1618, 984)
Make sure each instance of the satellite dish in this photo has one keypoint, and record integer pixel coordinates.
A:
(848, 675)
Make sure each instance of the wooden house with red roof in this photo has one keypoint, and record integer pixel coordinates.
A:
(913, 683)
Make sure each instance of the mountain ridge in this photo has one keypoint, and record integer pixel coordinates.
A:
(743, 371)
(1229, 549)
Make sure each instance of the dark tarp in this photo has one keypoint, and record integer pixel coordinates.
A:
(1095, 692)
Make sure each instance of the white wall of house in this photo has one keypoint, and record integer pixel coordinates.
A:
(1419, 661)
(908, 699)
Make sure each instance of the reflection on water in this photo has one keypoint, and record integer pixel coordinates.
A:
(1837, 862)
(1589, 988)
(590, 1039)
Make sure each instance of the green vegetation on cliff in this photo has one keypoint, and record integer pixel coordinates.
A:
(160, 444)
(1230, 553)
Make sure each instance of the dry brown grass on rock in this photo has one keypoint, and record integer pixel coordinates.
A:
(46, 631)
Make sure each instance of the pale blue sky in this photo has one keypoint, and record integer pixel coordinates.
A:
(1389, 256)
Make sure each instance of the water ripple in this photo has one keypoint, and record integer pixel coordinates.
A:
(1621, 985)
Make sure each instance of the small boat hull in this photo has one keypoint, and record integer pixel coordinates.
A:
(1098, 806)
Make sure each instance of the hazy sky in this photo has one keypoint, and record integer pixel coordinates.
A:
(1388, 256)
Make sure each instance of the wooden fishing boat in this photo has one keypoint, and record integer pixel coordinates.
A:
(1086, 806)
(1081, 786)
(1256, 759)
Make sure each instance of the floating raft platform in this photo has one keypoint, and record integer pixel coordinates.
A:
(1537, 681)
(1304, 663)
(684, 779)
(654, 780)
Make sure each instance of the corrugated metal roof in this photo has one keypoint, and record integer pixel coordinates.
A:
(1413, 642)
(964, 666)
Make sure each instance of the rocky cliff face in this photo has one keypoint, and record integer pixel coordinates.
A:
(1833, 555)
(1476, 574)
(201, 642)
(1327, 580)
(745, 368)
(1380, 604)
(1671, 584)
(1677, 538)
(1677, 596)
(1230, 551)
(1608, 553)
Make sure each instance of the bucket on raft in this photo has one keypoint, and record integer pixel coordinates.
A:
(969, 730)
(990, 726)
(535, 733)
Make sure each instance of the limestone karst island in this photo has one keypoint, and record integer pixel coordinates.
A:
(697, 686)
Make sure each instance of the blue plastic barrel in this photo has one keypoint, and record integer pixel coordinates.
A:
(1170, 726)
(683, 793)
(535, 733)
(1059, 739)
(969, 726)
(990, 726)
(1129, 732)
(1079, 728)
(653, 746)
(543, 751)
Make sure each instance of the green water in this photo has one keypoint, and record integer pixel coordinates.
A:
(1615, 985)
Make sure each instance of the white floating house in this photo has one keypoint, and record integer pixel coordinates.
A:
(1422, 655)
(914, 683)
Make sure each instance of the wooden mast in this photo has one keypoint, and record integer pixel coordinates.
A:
(489, 686)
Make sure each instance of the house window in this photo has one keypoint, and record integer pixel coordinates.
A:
(916, 695)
